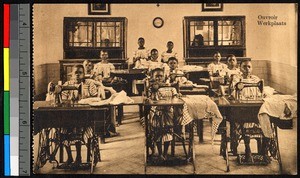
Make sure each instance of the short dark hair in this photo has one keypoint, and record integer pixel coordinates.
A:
(141, 38)
(104, 51)
(78, 66)
(230, 56)
(217, 52)
(245, 60)
(172, 59)
(170, 42)
(156, 70)
(154, 49)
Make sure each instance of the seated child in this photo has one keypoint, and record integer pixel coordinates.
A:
(174, 71)
(247, 93)
(216, 68)
(169, 53)
(247, 77)
(161, 119)
(154, 63)
(88, 68)
(75, 95)
(101, 74)
(140, 57)
(103, 69)
(217, 71)
(232, 70)
(89, 89)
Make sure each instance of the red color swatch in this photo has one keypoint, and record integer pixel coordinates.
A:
(6, 20)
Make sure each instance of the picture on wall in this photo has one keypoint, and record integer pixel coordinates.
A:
(99, 9)
(212, 6)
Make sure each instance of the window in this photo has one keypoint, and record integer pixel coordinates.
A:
(205, 35)
(85, 37)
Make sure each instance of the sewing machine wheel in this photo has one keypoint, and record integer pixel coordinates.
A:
(240, 86)
(95, 153)
(43, 149)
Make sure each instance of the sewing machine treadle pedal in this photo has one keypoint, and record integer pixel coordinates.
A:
(258, 159)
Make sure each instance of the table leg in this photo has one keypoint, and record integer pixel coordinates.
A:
(141, 111)
(61, 153)
(102, 139)
(120, 114)
(200, 129)
(113, 118)
(146, 114)
(234, 139)
(129, 87)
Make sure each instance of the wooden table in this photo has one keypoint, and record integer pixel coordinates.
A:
(240, 112)
(47, 115)
(138, 100)
(130, 75)
(176, 103)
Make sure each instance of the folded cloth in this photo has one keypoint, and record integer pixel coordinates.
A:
(89, 100)
(201, 106)
(115, 99)
(283, 107)
(268, 91)
(120, 98)
(190, 68)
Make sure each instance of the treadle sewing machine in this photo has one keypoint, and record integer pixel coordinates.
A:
(243, 110)
(242, 85)
(158, 108)
(52, 120)
(56, 91)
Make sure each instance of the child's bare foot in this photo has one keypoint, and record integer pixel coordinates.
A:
(161, 158)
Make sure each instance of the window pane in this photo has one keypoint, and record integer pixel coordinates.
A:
(201, 33)
(108, 34)
(229, 33)
(80, 34)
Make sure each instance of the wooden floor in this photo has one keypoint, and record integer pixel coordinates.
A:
(124, 154)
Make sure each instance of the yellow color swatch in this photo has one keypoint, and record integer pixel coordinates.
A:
(6, 68)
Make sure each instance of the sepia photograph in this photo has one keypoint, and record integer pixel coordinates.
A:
(187, 88)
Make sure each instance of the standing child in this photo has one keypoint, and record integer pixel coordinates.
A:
(140, 61)
(140, 56)
(169, 53)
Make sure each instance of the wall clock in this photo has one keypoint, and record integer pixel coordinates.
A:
(158, 22)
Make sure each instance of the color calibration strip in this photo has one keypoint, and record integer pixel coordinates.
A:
(14, 90)
(6, 26)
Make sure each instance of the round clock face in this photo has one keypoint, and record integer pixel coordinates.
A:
(158, 22)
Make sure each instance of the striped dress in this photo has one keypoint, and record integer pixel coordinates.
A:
(89, 89)
(161, 117)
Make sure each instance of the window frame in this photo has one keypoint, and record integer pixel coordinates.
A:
(188, 48)
(119, 49)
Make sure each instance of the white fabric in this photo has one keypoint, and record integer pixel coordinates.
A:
(165, 55)
(201, 106)
(115, 99)
(190, 68)
(104, 69)
(276, 106)
(217, 68)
